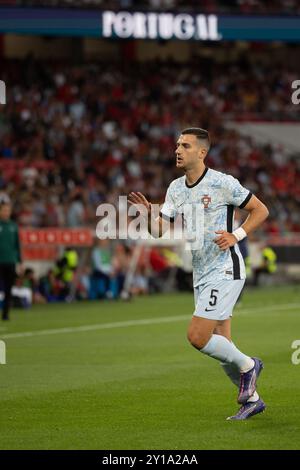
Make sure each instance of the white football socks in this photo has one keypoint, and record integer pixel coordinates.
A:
(253, 398)
(222, 349)
(234, 374)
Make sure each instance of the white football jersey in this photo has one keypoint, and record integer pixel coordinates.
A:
(213, 198)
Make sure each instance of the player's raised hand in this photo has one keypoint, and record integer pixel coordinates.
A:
(225, 240)
(138, 198)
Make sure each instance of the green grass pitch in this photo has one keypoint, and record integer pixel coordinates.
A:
(114, 375)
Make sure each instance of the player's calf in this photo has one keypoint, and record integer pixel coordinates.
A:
(197, 341)
(200, 332)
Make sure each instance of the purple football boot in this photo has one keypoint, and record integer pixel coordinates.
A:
(248, 410)
(248, 381)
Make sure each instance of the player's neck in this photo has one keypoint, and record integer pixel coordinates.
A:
(192, 175)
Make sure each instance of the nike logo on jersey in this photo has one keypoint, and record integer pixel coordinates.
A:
(210, 309)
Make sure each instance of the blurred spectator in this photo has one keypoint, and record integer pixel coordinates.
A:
(161, 270)
(110, 263)
(75, 215)
(268, 264)
(50, 287)
(83, 283)
(64, 271)
(121, 262)
(102, 267)
(140, 282)
(28, 279)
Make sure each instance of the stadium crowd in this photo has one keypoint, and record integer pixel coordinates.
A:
(219, 6)
(73, 137)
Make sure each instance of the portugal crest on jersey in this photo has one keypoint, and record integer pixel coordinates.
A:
(206, 200)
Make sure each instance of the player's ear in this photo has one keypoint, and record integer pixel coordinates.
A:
(203, 153)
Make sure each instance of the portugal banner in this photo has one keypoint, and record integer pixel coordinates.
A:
(149, 25)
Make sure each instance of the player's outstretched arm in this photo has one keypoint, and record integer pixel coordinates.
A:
(258, 212)
(154, 224)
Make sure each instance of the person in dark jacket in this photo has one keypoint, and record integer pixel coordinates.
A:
(10, 253)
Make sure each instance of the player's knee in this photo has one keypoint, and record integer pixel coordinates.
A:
(197, 339)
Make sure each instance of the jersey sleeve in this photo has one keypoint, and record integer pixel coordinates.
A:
(168, 210)
(237, 195)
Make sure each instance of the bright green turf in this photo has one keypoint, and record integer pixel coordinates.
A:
(144, 387)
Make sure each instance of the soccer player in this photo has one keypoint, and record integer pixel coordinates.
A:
(218, 267)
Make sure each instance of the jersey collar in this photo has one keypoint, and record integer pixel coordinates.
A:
(198, 180)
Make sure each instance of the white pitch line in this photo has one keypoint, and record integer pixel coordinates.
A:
(146, 321)
(267, 308)
(98, 326)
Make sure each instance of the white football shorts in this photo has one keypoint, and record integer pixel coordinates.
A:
(215, 300)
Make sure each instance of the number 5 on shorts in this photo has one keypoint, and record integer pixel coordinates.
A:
(213, 297)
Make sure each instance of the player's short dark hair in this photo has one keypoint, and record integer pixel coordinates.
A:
(201, 135)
